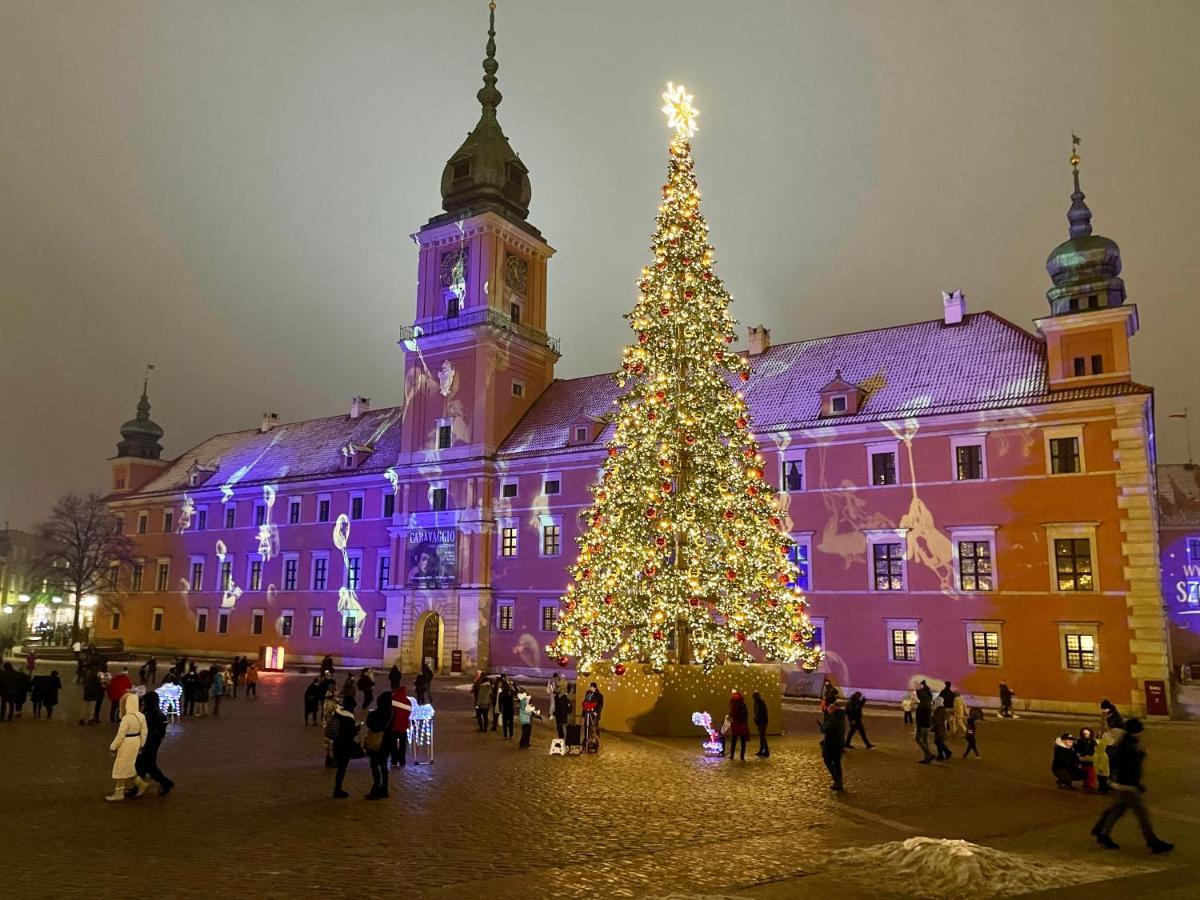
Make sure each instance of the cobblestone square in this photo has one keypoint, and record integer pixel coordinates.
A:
(252, 813)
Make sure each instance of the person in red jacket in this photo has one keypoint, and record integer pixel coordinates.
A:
(120, 684)
(739, 723)
(401, 709)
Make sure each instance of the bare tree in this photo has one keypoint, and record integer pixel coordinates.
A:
(82, 537)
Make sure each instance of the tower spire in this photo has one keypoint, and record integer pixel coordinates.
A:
(1078, 215)
(489, 95)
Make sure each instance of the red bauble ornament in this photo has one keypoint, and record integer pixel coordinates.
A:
(664, 310)
(650, 570)
(674, 242)
(612, 451)
(563, 660)
(658, 635)
(687, 262)
(772, 603)
(660, 395)
(652, 415)
(742, 423)
(585, 574)
(667, 487)
(643, 337)
(584, 631)
(570, 605)
(752, 490)
(706, 275)
(729, 515)
(744, 376)
(740, 635)
(775, 521)
(638, 369)
(651, 512)
(619, 668)
(688, 294)
(741, 542)
(731, 575)
(783, 579)
(662, 264)
(695, 601)
(689, 439)
(608, 599)
(660, 541)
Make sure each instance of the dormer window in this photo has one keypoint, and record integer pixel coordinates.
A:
(837, 404)
(841, 397)
(460, 169)
(198, 474)
(354, 454)
(581, 434)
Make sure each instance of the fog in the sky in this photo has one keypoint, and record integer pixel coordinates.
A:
(226, 189)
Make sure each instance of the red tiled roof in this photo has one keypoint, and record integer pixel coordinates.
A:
(1179, 495)
(295, 450)
(925, 368)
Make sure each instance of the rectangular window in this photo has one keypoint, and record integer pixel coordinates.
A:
(514, 313)
(290, 565)
(504, 617)
(385, 570)
(508, 490)
(156, 621)
(552, 486)
(452, 306)
(985, 648)
(889, 566)
(437, 499)
(1073, 564)
(904, 644)
(1080, 651)
(508, 541)
(356, 507)
(256, 574)
(581, 434)
(294, 511)
(201, 621)
(223, 623)
(316, 624)
(164, 574)
(202, 520)
(168, 521)
(260, 514)
(380, 628)
(968, 462)
(550, 615)
(1080, 366)
(143, 518)
(323, 509)
(1064, 455)
(135, 580)
(115, 624)
(443, 436)
(320, 573)
(818, 638)
(551, 539)
(227, 575)
(353, 571)
(883, 467)
(793, 475)
(1097, 364)
(285, 623)
(114, 572)
(837, 403)
(197, 581)
(389, 505)
(230, 516)
(518, 389)
(798, 554)
(975, 565)
(349, 628)
(256, 621)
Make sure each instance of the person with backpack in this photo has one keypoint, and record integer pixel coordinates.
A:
(378, 744)
(342, 733)
(1126, 760)
(854, 715)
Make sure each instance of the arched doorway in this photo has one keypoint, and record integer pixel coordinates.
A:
(431, 640)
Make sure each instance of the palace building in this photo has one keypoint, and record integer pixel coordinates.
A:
(971, 500)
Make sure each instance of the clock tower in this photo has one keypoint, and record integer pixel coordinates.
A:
(476, 358)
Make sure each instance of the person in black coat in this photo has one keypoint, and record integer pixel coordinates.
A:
(314, 694)
(507, 706)
(345, 743)
(562, 713)
(760, 723)
(379, 729)
(189, 683)
(1126, 759)
(947, 695)
(854, 714)
(833, 742)
(924, 723)
(156, 729)
(1065, 764)
(925, 694)
(1112, 718)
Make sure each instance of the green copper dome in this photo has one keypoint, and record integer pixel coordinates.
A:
(1085, 268)
(140, 436)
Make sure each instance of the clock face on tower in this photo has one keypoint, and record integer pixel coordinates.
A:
(454, 268)
(516, 273)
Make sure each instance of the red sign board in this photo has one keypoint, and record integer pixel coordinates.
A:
(1156, 698)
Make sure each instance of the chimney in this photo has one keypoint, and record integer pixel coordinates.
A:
(359, 405)
(954, 307)
(269, 421)
(759, 337)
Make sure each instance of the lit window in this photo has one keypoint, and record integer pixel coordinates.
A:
(353, 572)
(888, 558)
(798, 554)
(316, 624)
(285, 624)
(508, 541)
(385, 570)
(985, 648)
(1073, 564)
(350, 628)
(551, 539)
(1080, 651)
(883, 467)
(904, 644)
(1064, 455)
(504, 617)
(256, 574)
(818, 638)
(550, 616)
(968, 462)
(975, 565)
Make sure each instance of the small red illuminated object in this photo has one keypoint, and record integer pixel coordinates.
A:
(619, 668)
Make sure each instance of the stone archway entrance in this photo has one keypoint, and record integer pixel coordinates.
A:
(431, 640)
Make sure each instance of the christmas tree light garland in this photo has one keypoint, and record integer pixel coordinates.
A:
(683, 534)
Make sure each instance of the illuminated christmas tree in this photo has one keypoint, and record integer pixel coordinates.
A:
(684, 537)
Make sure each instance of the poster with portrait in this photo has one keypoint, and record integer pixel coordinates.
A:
(431, 558)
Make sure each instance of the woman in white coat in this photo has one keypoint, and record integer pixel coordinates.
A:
(131, 736)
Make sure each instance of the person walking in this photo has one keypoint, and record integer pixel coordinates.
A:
(252, 681)
(483, 702)
(1127, 760)
(924, 724)
(760, 723)
(349, 687)
(424, 683)
(941, 729)
(327, 665)
(958, 714)
(219, 686)
(378, 745)
(854, 715)
(1006, 701)
(924, 693)
(8, 692)
(203, 688)
(401, 716)
(146, 764)
(344, 728)
(128, 742)
(947, 696)
(833, 742)
(366, 685)
(739, 724)
(507, 704)
(117, 687)
(93, 697)
(51, 685)
(313, 695)
(526, 714)
(974, 717)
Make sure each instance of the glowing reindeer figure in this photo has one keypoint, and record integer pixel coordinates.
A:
(348, 604)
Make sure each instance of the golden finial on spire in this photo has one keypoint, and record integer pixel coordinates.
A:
(1076, 140)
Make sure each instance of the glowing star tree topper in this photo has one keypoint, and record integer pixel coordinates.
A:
(683, 537)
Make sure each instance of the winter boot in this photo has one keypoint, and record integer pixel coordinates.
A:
(1158, 845)
(1107, 843)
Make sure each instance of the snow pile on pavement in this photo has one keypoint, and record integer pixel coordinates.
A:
(941, 868)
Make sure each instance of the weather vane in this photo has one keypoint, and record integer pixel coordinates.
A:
(681, 115)
(1076, 140)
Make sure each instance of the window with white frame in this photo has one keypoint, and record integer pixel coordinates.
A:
(552, 484)
(115, 622)
(162, 580)
(168, 521)
(320, 572)
(974, 553)
(156, 619)
(551, 535)
(135, 578)
(518, 389)
(143, 518)
(819, 626)
(439, 496)
(353, 569)
(1073, 557)
(508, 489)
(287, 620)
(201, 519)
(389, 504)
(969, 461)
(316, 622)
(881, 463)
(508, 537)
(227, 573)
(886, 554)
(504, 615)
(383, 569)
(201, 621)
(222, 623)
(1064, 450)
(260, 515)
(257, 617)
(196, 577)
(323, 508)
(230, 515)
(792, 475)
(983, 643)
(837, 403)
(1079, 646)
(548, 615)
(291, 568)
(294, 511)
(800, 554)
(380, 626)
(444, 433)
(356, 506)
(349, 627)
(902, 640)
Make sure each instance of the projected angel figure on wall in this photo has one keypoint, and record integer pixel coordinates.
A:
(348, 604)
(185, 514)
(268, 534)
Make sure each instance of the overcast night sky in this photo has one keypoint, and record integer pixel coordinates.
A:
(226, 189)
